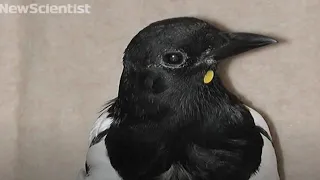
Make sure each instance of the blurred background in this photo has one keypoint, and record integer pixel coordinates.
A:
(57, 70)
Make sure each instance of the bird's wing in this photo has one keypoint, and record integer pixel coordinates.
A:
(102, 123)
(97, 162)
(268, 167)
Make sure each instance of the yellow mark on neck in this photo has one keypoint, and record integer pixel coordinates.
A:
(208, 77)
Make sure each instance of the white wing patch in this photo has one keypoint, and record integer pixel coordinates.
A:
(259, 120)
(101, 124)
(97, 158)
(268, 167)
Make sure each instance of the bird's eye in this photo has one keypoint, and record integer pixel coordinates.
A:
(173, 58)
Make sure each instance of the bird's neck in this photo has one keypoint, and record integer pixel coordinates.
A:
(199, 103)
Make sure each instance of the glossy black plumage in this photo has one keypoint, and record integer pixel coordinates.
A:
(168, 124)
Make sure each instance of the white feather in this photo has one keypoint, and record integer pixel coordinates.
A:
(101, 124)
(268, 167)
(97, 158)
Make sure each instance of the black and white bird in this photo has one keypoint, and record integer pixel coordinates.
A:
(173, 118)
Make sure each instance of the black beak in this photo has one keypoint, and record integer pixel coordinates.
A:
(236, 43)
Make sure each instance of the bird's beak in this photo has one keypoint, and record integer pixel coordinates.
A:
(237, 43)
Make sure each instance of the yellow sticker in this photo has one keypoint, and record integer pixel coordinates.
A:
(208, 77)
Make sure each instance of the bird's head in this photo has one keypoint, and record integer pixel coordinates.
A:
(177, 59)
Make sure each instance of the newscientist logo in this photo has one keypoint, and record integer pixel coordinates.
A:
(45, 9)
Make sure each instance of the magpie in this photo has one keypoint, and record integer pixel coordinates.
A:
(173, 118)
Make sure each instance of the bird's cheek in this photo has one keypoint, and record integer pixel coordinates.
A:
(204, 75)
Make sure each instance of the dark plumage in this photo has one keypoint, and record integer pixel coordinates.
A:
(170, 125)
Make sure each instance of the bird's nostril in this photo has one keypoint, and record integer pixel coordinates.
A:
(206, 61)
(209, 61)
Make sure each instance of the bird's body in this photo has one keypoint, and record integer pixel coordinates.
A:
(173, 121)
(100, 167)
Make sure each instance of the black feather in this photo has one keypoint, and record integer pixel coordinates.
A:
(168, 124)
